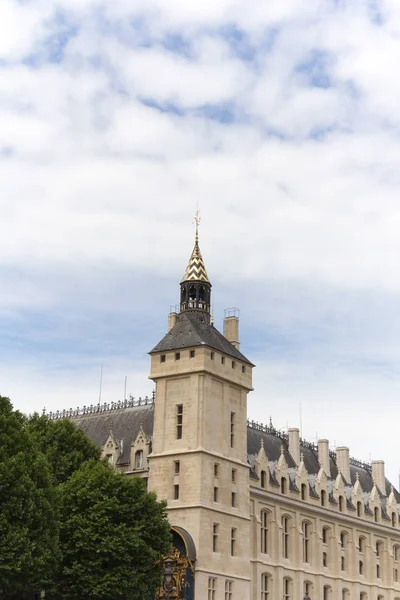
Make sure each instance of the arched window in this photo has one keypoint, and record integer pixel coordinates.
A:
(380, 597)
(363, 595)
(327, 592)
(287, 589)
(376, 514)
(361, 567)
(303, 491)
(323, 498)
(343, 549)
(285, 536)
(359, 509)
(308, 588)
(306, 527)
(341, 503)
(139, 459)
(264, 531)
(396, 556)
(326, 534)
(263, 479)
(394, 519)
(266, 586)
(345, 594)
(283, 485)
(379, 558)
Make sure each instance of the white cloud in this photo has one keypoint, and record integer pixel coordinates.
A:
(92, 179)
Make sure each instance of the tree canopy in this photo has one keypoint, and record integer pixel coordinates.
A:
(65, 446)
(111, 533)
(28, 510)
(69, 524)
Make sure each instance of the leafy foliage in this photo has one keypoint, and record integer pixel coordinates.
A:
(65, 446)
(112, 534)
(28, 510)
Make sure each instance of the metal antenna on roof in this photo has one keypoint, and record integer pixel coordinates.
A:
(301, 422)
(101, 383)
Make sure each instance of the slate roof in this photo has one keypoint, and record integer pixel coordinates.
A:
(125, 424)
(196, 270)
(194, 329)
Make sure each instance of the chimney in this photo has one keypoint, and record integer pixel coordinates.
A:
(172, 319)
(294, 444)
(378, 475)
(323, 456)
(231, 326)
(343, 462)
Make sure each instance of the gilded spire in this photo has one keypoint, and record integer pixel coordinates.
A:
(196, 270)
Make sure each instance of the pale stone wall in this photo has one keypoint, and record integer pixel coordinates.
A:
(212, 455)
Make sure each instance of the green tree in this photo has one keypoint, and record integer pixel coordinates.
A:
(28, 510)
(112, 533)
(65, 446)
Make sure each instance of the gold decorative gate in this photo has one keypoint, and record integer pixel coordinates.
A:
(175, 585)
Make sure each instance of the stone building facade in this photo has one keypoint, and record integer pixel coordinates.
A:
(256, 513)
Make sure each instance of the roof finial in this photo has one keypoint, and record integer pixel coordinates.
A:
(197, 220)
(261, 443)
(282, 449)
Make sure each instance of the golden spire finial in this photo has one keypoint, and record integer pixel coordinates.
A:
(197, 220)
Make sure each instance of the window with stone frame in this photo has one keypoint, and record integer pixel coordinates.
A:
(139, 460)
(306, 534)
(286, 523)
(266, 586)
(212, 588)
(265, 516)
(287, 589)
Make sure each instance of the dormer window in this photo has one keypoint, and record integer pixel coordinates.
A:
(139, 460)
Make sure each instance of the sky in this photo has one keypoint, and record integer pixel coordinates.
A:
(281, 121)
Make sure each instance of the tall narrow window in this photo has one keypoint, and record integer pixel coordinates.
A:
(233, 420)
(325, 541)
(264, 531)
(327, 592)
(376, 514)
(306, 541)
(233, 499)
(394, 519)
(216, 469)
(179, 421)
(323, 498)
(285, 537)
(263, 479)
(359, 509)
(216, 494)
(177, 467)
(228, 589)
(266, 588)
(283, 485)
(233, 475)
(176, 492)
(212, 588)
(215, 537)
(139, 459)
(396, 553)
(341, 503)
(287, 589)
(303, 491)
(233, 541)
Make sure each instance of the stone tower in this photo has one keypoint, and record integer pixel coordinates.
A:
(199, 455)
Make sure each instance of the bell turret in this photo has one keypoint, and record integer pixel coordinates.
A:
(195, 285)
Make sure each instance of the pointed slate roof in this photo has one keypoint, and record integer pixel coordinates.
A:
(193, 329)
(196, 270)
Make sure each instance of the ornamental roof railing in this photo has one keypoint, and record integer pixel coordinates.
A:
(132, 402)
(270, 429)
